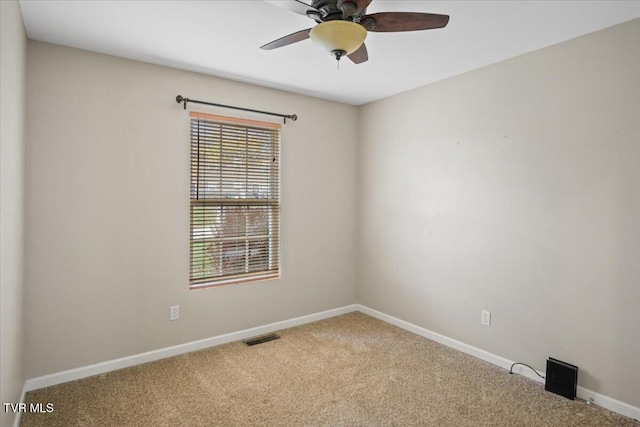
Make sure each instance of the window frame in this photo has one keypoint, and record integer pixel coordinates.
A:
(245, 204)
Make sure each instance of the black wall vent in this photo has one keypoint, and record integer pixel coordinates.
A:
(263, 338)
(562, 378)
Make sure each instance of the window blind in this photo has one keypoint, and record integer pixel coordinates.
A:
(235, 200)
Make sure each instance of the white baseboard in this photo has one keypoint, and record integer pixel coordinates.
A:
(583, 393)
(609, 403)
(125, 362)
(137, 359)
(18, 417)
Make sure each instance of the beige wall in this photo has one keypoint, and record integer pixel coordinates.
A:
(515, 189)
(13, 47)
(107, 209)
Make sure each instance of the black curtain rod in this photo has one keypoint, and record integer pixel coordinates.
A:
(180, 99)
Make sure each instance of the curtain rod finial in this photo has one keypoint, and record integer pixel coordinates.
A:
(179, 99)
(294, 117)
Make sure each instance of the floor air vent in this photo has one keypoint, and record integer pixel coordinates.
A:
(260, 340)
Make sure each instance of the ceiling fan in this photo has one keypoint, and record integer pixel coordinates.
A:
(342, 25)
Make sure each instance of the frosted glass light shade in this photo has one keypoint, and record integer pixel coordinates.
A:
(332, 36)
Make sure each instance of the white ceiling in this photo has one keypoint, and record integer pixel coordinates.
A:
(222, 38)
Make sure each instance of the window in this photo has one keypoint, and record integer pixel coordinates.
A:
(235, 200)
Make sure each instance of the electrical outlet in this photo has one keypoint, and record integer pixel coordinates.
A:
(174, 312)
(485, 317)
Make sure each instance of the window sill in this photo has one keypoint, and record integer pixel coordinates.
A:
(228, 282)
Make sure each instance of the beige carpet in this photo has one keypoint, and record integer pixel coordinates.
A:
(351, 370)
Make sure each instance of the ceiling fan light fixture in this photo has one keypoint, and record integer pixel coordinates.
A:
(338, 38)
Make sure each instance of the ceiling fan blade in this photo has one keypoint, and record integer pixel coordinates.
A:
(360, 55)
(360, 5)
(295, 6)
(298, 36)
(403, 21)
